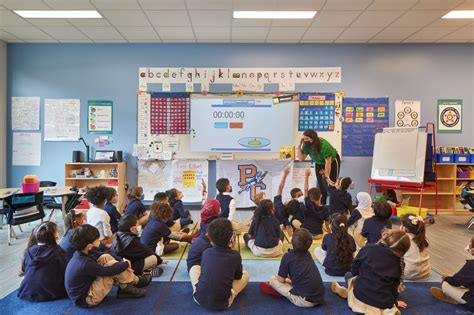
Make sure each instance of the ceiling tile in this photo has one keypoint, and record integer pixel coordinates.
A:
(467, 5)
(418, 18)
(254, 5)
(213, 41)
(255, 33)
(351, 41)
(432, 33)
(282, 41)
(24, 4)
(8, 18)
(14, 41)
(451, 22)
(299, 5)
(116, 4)
(291, 22)
(462, 33)
(25, 32)
(393, 33)
(179, 41)
(89, 22)
(138, 33)
(335, 18)
(41, 41)
(359, 33)
(442, 40)
(437, 4)
(4, 35)
(168, 18)
(211, 18)
(384, 41)
(212, 33)
(101, 33)
(286, 33)
(49, 22)
(246, 41)
(391, 4)
(63, 33)
(126, 18)
(145, 41)
(316, 41)
(251, 22)
(162, 4)
(209, 4)
(418, 41)
(181, 33)
(376, 18)
(323, 33)
(110, 41)
(347, 4)
(70, 4)
(76, 41)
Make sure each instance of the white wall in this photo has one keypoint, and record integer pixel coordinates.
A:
(3, 114)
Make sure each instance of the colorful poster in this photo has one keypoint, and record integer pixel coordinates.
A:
(361, 116)
(25, 113)
(407, 113)
(316, 111)
(62, 119)
(170, 113)
(450, 116)
(99, 117)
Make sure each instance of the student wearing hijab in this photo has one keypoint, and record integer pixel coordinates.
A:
(362, 212)
(210, 211)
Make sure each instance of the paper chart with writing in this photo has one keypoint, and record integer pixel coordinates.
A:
(26, 149)
(25, 113)
(62, 119)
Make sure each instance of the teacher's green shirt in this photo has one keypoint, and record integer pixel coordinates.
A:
(327, 150)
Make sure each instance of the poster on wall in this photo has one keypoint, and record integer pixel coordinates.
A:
(62, 119)
(25, 113)
(450, 116)
(316, 111)
(361, 116)
(99, 117)
(407, 113)
(26, 149)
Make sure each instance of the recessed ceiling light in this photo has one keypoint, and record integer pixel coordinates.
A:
(58, 14)
(460, 14)
(274, 14)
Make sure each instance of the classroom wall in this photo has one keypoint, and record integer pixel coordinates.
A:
(109, 71)
(3, 114)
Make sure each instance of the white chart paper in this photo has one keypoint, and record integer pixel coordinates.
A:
(26, 149)
(25, 113)
(62, 119)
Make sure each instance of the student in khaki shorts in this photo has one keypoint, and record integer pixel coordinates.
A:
(90, 276)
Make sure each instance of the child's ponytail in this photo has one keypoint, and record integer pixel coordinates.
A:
(343, 247)
(414, 224)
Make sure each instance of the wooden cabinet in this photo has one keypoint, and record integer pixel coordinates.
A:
(107, 174)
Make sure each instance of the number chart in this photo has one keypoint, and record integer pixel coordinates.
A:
(170, 113)
(316, 111)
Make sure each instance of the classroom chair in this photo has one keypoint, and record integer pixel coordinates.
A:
(23, 208)
(50, 202)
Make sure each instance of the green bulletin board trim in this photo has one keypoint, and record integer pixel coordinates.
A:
(448, 102)
(96, 103)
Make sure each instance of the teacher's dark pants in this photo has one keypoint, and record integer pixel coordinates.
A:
(322, 184)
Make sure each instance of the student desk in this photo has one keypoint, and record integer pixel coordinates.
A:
(56, 191)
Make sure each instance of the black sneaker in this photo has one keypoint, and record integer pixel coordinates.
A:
(156, 272)
(130, 292)
(143, 280)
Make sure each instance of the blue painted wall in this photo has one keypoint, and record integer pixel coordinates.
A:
(416, 71)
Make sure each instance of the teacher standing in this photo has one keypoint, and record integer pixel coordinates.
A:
(325, 156)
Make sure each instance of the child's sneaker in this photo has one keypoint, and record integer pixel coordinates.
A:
(130, 292)
(337, 289)
(438, 294)
(266, 288)
(156, 272)
(143, 280)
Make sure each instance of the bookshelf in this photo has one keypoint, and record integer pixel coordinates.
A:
(99, 175)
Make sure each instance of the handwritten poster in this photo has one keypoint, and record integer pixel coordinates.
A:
(99, 117)
(62, 119)
(25, 113)
(26, 149)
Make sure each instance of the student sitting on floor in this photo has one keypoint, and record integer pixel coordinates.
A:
(209, 212)
(156, 231)
(96, 215)
(372, 229)
(417, 259)
(43, 266)
(220, 278)
(127, 244)
(161, 197)
(265, 238)
(228, 204)
(358, 216)
(459, 288)
(135, 206)
(112, 210)
(298, 277)
(197, 247)
(337, 250)
(90, 277)
(375, 280)
(315, 214)
(340, 199)
(73, 220)
(180, 216)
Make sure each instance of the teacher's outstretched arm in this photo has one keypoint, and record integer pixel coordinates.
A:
(300, 154)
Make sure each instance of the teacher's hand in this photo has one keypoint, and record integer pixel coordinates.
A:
(322, 171)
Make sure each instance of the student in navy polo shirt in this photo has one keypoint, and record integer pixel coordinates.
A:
(298, 277)
(43, 266)
(340, 200)
(375, 281)
(265, 238)
(180, 216)
(337, 250)
(111, 209)
(73, 220)
(135, 206)
(199, 245)
(459, 288)
(228, 204)
(127, 244)
(372, 229)
(89, 278)
(220, 278)
(156, 231)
